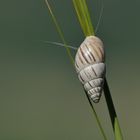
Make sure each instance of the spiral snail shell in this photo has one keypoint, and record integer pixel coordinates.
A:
(90, 66)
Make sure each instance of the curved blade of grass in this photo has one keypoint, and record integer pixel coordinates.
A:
(59, 31)
(97, 118)
(83, 13)
(112, 112)
(79, 15)
(86, 11)
(82, 7)
(71, 58)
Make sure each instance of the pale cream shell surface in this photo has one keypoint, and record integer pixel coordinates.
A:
(90, 66)
(90, 51)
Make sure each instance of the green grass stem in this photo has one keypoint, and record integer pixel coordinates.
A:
(81, 9)
(91, 30)
(97, 118)
(59, 31)
(79, 15)
(112, 112)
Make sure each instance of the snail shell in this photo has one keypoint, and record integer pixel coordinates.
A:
(90, 66)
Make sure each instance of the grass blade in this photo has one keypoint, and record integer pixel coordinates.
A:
(112, 112)
(81, 9)
(96, 117)
(79, 15)
(59, 31)
(86, 11)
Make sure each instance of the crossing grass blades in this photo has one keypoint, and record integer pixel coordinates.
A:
(83, 15)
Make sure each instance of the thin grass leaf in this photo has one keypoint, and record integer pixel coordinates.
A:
(59, 31)
(79, 15)
(90, 26)
(112, 112)
(97, 118)
(83, 16)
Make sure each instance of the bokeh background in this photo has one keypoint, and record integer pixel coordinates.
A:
(40, 95)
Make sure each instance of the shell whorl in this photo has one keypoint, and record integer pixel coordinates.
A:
(89, 64)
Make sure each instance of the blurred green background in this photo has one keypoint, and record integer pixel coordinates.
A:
(40, 95)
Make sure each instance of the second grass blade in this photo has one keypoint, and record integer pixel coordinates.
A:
(59, 31)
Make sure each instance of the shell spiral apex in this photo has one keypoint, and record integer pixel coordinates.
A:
(90, 66)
